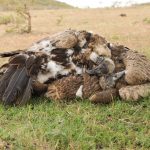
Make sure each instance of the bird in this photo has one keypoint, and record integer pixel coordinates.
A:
(64, 88)
(82, 86)
(16, 82)
(104, 66)
(135, 83)
(134, 92)
(129, 79)
(65, 53)
(135, 64)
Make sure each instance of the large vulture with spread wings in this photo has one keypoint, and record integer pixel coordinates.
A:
(69, 52)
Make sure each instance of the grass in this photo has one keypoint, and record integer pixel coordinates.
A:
(44, 125)
(76, 125)
(146, 20)
(34, 4)
(4, 20)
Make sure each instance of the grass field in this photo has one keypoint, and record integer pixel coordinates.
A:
(79, 125)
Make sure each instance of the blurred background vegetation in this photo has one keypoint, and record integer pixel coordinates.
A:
(33, 4)
(20, 21)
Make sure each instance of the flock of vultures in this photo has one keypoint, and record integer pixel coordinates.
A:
(74, 64)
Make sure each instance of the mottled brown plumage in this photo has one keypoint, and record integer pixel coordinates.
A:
(67, 87)
(137, 66)
(99, 45)
(39, 88)
(134, 93)
(137, 76)
(70, 53)
(105, 97)
(64, 89)
(90, 85)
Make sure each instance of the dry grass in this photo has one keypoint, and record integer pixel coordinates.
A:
(131, 30)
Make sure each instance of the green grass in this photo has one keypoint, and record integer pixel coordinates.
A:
(77, 125)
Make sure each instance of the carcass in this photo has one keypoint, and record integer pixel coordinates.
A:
(68, 52)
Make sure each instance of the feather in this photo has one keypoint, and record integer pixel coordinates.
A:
(16, 86)
(26, 94)
(104, 97)
(4, 81)
(10, 53)
(18, 59)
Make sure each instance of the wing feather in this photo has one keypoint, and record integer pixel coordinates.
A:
(4, 81)
(26, 94)
(16, 86)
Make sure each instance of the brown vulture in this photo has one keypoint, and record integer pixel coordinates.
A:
(67, 53)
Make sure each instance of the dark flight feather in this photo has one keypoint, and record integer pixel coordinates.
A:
(26, 94)
(16, 86)
(10, 53)
(4, 81)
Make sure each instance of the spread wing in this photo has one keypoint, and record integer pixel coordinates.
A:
(16, 82)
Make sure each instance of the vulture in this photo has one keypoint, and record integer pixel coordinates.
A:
(82, 86)
(66, 53)
(74, 64)
(135, 84)
(130, 79)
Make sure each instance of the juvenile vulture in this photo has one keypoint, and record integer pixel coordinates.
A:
(63, 54)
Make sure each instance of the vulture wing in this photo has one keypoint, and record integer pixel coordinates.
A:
(5, 79)
(16, 82)
(16, 86)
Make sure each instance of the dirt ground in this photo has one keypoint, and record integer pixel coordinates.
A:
(132, 30)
